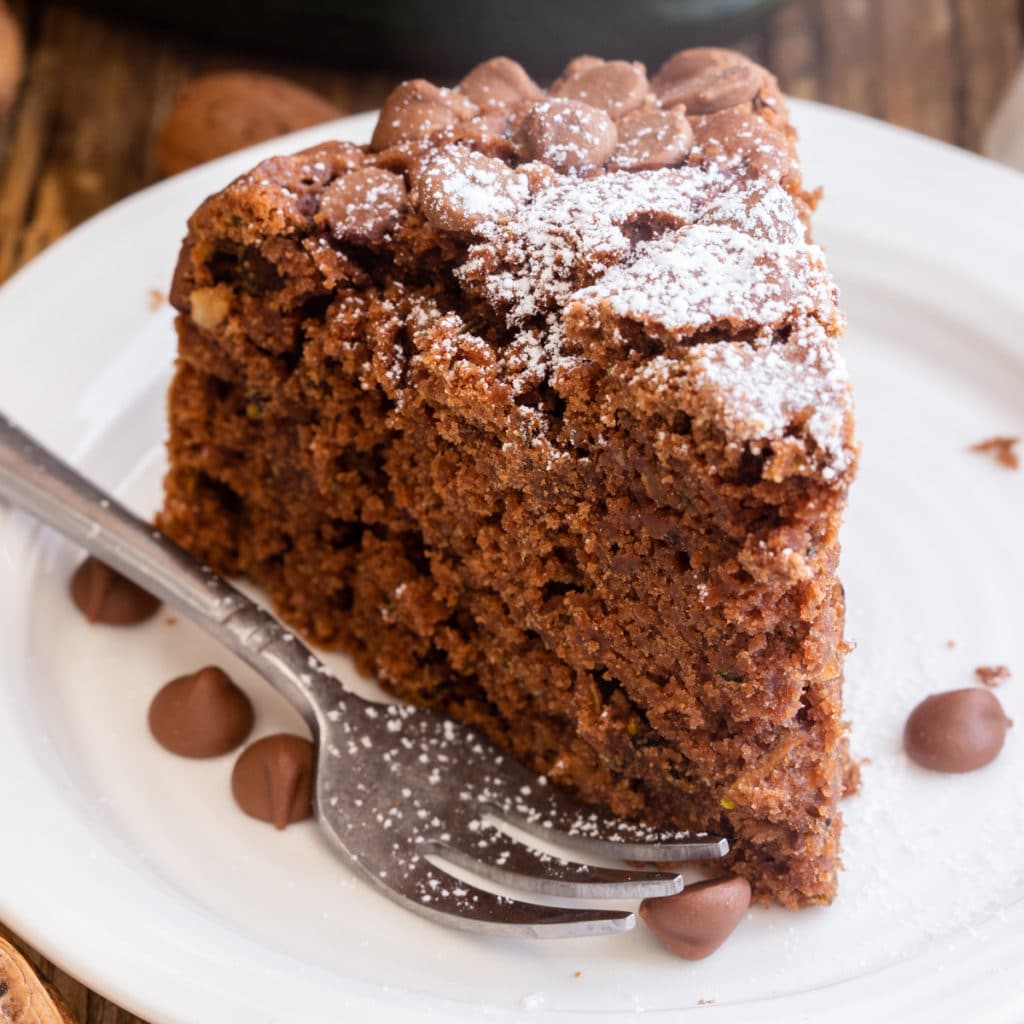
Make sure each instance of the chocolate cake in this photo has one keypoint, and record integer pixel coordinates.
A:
(533, 405)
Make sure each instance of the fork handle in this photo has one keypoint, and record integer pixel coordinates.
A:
(40, 483)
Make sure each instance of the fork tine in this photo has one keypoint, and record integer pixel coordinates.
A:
(562, 822)
(493, 854)
(434, 893)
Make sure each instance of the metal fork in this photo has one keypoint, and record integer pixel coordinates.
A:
(397, 788)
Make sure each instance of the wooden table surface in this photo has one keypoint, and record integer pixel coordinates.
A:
(82, 134)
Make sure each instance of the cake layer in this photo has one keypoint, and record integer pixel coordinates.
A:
(534, 406)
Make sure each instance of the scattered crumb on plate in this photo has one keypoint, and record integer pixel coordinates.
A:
(1001, 449)
(992, 675)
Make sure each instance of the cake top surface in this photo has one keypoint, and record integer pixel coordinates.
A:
(660, 224)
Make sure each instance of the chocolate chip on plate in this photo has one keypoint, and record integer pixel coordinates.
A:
(957, 731)
(707, 79)
(103, 595)
(273, 779)
(499, 82)
(568, 135)
(203, 714)
(696, 921)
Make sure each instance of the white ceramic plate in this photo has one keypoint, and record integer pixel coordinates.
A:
(132, 869)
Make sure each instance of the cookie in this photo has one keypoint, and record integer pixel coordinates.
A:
(219, 113)
(12, 59)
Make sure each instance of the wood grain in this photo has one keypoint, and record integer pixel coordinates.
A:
(83, 130)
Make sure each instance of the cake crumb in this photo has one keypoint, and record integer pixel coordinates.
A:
(950, 644)
(705, 1002)
(577, 974)
(157, 299)
(1001, 449)
(992, 675)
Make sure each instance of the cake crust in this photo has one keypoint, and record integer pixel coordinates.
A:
(534, 407)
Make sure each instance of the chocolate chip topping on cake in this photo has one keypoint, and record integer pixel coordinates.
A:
(655, 237)
(418, 109)
(460, 190)
(652, 138)
(568, 135)
(499, 83)
(708, 80)
(534, 405)
(363, 205)
(614, 86)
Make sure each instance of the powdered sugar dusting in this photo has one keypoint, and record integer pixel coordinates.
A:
(570, 233)
(707, 275)
(568, 135)
(760, 390)
(681, 253)
(461, 189)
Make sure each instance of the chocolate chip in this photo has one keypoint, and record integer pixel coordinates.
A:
(739, 135)
(577, 66)
(273, 780)
(363, 206)
(957, 731)
(707, 79)
(652, 138)
(103, 595)
(416, 110)
(754, 213)
(695, 922)
(615, 86)
(460, 189)
(567, 135)
(203, 714)
(499, 82)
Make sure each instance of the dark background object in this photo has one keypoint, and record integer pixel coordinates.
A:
(443, 38)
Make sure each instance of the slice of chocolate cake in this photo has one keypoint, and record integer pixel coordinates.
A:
(533, 405)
